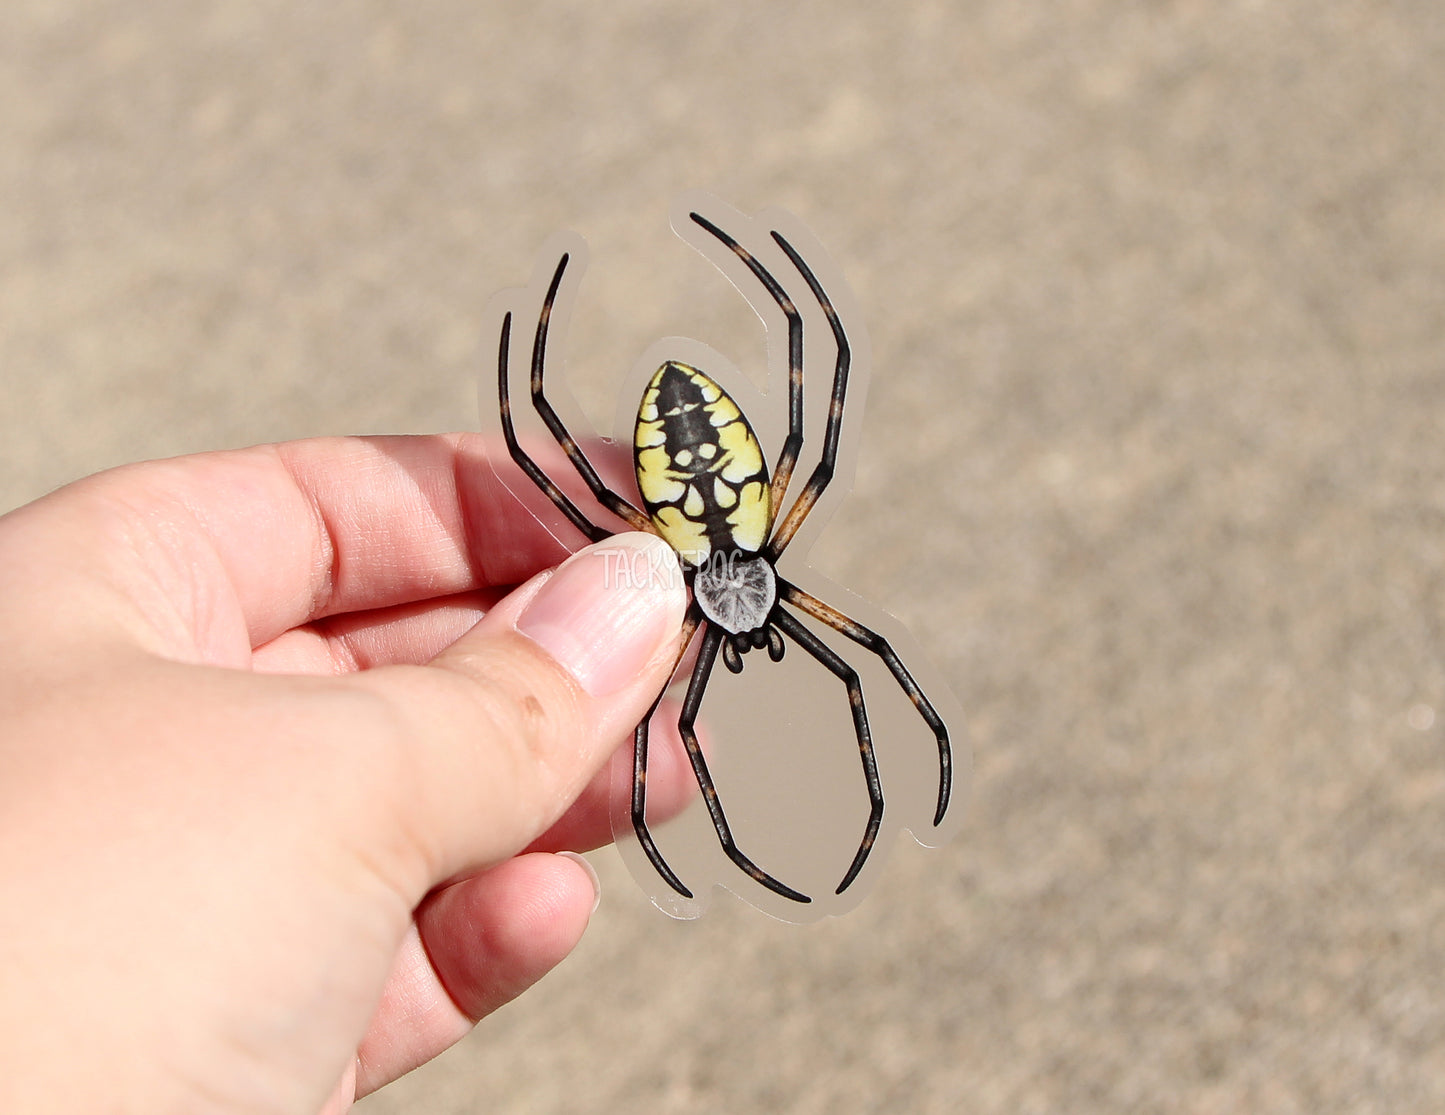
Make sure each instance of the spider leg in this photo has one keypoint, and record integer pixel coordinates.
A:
(574, 514)
(604, 495)
(875, 642)
(795, 630)
(639, 768)
(793, 444)
(823, 471)
(706, 657)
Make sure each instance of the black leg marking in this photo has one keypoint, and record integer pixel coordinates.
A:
(593, 532)
(707, 655)
(639, 805)
(793, 445)
(604, 495)
(795, 630)
(823, 471)
(879, 646)
(639, 771)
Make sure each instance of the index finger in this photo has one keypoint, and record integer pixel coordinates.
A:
(294, 532)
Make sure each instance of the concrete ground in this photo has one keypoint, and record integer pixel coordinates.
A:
(1154, 468)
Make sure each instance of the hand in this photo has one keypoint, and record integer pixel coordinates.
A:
(277, 813)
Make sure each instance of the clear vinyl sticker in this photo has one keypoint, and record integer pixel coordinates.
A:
(814, 729)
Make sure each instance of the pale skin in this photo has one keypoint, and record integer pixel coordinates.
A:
(284, 765)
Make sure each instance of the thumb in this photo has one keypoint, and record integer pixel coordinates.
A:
(505, 727)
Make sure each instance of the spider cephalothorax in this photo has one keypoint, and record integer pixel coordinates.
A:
(707, 491)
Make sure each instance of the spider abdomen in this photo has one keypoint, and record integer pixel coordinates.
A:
(700, 468)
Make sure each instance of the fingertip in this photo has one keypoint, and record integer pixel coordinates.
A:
(492, 936)
(592, 879)
(476, 945)
(609, 611)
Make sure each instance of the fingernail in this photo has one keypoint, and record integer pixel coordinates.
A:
(591, 874)
(609, 610)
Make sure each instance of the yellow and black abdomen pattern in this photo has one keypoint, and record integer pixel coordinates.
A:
(699, 467)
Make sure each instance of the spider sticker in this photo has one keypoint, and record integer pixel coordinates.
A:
(778, 820)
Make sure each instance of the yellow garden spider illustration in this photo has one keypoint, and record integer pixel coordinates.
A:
(707, 490)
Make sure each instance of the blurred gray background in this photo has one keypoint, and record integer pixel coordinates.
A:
(1153, 469)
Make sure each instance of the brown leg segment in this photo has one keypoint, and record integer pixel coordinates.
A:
(794, 629)
(875, 642)
(604, 495)
(823, 470)
(639, 767)
(591, 530)
(706, 657)
(793, 445)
